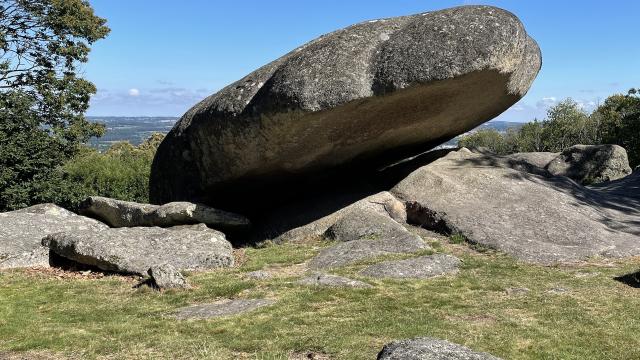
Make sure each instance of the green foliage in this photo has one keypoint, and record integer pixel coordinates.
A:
(42, 101)
(122, 172)
(617, 121)
(620, 120)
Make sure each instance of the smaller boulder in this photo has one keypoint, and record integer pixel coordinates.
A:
(21, 233)
(365, 234)
(135, 250)
(591, 164)
(328, 280)
(118, 213)
(430, 349)
(423, 267)
(166, 276)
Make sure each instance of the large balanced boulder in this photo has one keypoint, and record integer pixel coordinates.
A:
(591, 164)
(430, 349)
(362, 96)
(21, 233)
(535, 218)
(136, 250)
(118, 213)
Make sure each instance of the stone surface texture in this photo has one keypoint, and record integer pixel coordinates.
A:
(532, 217)
(591, 164)
(21, 233)
(221, 308)
(382, 203)
(321, 279)
(135, 250)
(422, 267)
(430, 349)
(372, 92)
(118, 213)
(166, 276)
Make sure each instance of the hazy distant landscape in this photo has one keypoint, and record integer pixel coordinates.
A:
(131, 129)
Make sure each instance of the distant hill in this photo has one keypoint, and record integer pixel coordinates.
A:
(136, 129)
(131, 129)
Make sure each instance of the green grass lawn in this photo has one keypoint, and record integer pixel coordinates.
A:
(49, 316)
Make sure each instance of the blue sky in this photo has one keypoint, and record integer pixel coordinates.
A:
(163, 56)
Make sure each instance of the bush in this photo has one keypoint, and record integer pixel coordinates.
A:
(617, 121)
(121, 172)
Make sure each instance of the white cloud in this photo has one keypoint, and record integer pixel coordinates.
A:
(134, 92)
(546, 102)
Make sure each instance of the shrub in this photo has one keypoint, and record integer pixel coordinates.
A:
(121, 172)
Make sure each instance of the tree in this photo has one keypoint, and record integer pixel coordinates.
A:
(488, 139)
(620, 118)
(121, 172)
(42, 99)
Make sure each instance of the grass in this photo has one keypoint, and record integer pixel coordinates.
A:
(105, 318)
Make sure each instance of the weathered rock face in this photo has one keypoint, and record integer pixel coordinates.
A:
(430, 349)
(382, 203)
(365, 234)
(21, 233)
(591, 164)
(166, 276)
(118, 213)
(422, 267)
(534, 218)
(329, 280)
(221, 308)
(365, 95)
(135, 250)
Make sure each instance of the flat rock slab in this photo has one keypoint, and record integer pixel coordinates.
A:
(430, 349)
(135, 250)
(332, 281)
(21, 233)
(535, 218)
(118, 213)
(422, 267)
(357, 97)
(221, 308)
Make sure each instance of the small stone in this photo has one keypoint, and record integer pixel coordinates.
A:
(166, 276)
(418, 268)
(517, 291)
(259, 275)
(221, 308)
(557, 290)
(430, 349)
(320, 279)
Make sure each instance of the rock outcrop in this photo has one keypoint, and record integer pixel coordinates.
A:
(366, 95)
(382, 203)
(535, 218)
(430, 349)
(591, 164)
(21, 233)
(365, 234)
(135, 250)
(118, 213)
(422, 267)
